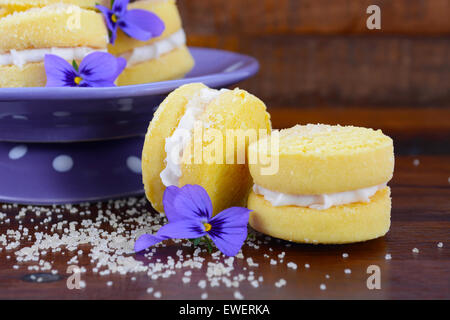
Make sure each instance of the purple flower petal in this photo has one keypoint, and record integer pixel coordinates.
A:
(229, 230)
(185, 229)
(107, 15)
(98, 69)
(99, 66)
(60, 73)
(141, 24)
(187, 202)
(145, 241)
(119, 7)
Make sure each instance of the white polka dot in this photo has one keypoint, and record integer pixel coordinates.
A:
(19, 117)
(62, 163)
(125, 105)
(18, 152)
(134, 164)
(61, 114)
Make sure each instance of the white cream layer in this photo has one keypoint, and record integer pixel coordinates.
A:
(180, 138)
(156, 49)
(319, 202)
(22, 57)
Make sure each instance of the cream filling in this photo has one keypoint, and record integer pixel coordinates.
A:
(319, 202)
(22, 57)
(156, 49)
(180, 138)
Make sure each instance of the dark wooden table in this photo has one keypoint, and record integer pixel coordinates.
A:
(420, 219)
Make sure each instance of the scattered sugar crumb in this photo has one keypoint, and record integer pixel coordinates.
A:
(347, 271)
(345, 255)
(440, 245)
(307, 265)
(238, 295)
(292, 265)
(105, 233)
(323, 287)
(416, 162)
(388, 256)
(280, 283)
(415, 250)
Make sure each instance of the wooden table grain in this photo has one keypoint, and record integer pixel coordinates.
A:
(420, 219)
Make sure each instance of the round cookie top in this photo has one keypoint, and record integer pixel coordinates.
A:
(59, 25)
(325, 140)
(20, 5)
(322, 159)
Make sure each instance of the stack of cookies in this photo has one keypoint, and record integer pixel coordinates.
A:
(309, 184)
(33, 28)
(71, 29)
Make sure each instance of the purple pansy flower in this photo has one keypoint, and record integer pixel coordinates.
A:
(98, 69)
(189, 211)
(136, 23)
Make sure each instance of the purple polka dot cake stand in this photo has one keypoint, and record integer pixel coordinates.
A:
(71, 145)
(70, 172)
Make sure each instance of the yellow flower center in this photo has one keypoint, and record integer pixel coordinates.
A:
(207, 227)
(77, 80)
(114, 18)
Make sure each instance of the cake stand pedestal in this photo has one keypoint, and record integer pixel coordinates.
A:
(48, 173)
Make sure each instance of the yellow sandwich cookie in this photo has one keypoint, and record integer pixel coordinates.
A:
(52, 26)
(353, 222)
(329, 186)
(162, 58)
(22, 5)
(317, 159)
(198, 136)
(170, 66)
(166, 10)
(27, 36)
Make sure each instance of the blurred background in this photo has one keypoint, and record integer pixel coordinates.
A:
(320, 63)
